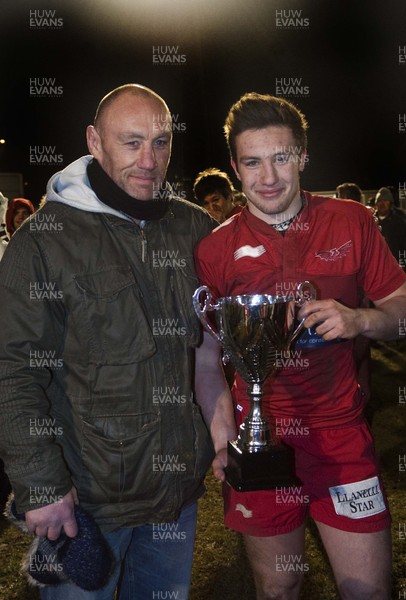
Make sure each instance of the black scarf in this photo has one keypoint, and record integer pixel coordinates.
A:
(109, 193)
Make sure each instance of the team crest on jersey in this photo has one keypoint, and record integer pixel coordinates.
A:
(335, 253)
(249, 251)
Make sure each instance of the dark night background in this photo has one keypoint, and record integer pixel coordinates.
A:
(347, 56)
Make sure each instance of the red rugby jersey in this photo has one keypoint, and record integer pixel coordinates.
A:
(336, 245)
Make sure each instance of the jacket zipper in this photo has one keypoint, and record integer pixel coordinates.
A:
(143, 242)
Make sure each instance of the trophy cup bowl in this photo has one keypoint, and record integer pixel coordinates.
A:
(253, 329)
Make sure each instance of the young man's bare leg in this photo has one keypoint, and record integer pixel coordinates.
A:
(361, 562)
(277, 564)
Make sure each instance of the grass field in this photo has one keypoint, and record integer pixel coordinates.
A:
(220, 570)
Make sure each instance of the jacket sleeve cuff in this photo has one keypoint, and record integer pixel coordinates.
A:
(41, 489)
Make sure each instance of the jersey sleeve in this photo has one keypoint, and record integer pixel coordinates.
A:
(206, 265)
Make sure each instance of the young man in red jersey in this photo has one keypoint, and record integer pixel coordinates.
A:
(282, 237)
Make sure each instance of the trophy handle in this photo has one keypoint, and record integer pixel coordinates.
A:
(201, 312)
(305, 293)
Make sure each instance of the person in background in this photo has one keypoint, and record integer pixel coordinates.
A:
(392, 223)
(3, 233)
(282, 237)
(394, 191)
(214, 191)
(3, 209)
(349, 191)
(98, 336)
(18, 211)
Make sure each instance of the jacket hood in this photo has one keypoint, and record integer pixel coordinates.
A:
(71, 186)
(11, 208)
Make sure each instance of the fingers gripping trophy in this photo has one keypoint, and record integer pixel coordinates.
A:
(253, 330)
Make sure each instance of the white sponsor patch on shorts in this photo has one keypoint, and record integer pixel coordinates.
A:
(245, 512)
(358, 500)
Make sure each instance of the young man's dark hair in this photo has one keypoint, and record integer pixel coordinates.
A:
(256, 111)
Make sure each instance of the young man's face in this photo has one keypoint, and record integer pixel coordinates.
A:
(133, 144)
(268, 166)
(218, 205)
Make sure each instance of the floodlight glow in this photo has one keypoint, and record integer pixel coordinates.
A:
(148, 19)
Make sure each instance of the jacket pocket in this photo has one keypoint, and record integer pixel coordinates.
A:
(112, 314)
(117, 455)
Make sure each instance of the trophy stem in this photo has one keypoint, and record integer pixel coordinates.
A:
(252, 329)
(254, 434)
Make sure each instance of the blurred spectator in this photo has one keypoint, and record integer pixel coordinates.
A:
(3, 208)
(18, 211)
(349, 191)
(393, 225)
(3, 246)
(396, 201)
(215, 192)
(3, 234)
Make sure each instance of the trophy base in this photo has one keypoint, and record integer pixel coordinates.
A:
(266, 469)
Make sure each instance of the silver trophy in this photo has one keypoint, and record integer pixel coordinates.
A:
(253, 330)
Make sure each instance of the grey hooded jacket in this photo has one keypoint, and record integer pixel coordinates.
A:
(96, 357)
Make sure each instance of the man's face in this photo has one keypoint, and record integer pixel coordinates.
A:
(218, 205)
(133, 144)
(21, 213)
(383, 206)
(268, 167)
